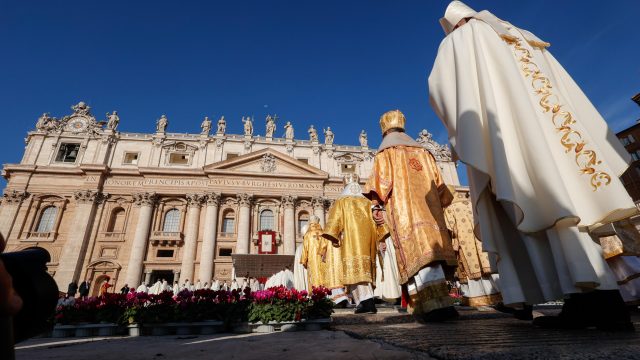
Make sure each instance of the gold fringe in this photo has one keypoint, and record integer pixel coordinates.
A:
(484, 300)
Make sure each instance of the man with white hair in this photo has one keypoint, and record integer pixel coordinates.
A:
(543, 166)
(353, 228)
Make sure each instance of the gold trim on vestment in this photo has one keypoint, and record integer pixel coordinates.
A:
(484, 300)
(430, 298)
(571, 139)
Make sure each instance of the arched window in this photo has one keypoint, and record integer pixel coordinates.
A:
(229, 222)
(116, 223)
(303, 221)
(171, 221)
(266, 220)
(47, 219)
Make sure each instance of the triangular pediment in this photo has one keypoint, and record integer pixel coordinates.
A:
(265, 162)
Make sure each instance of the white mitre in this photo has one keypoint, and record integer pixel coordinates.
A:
(352, 186)
(456, 11)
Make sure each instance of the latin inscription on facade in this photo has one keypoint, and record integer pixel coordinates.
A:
(213, 182)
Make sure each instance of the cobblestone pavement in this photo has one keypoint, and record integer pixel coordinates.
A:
(321, 345)
(494, 336)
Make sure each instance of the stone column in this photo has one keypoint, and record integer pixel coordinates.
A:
(73, 251)
(11, 200)
(318, 208)
(147, 277)
(244, 223)
(210, 234)
(146, 202)
(289, 231)
(194, 201)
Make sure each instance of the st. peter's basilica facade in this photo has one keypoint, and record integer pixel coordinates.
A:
(136, 207)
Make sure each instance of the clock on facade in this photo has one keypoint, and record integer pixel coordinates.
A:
(77, 124)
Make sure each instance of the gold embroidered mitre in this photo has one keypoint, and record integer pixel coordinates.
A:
(392, 119)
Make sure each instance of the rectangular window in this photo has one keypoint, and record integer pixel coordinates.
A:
(228, 225)
(179, 159)
(301, 224)
(231, 156)
(634, 156)
(164, 253)
(224, 252)
(304, 160)
(631, 138)
(130, 158)
(68, 153)
(348, 168)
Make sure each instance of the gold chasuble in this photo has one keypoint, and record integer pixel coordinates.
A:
(351, 227)
(313, 247)
(407, 180)
(473, 263)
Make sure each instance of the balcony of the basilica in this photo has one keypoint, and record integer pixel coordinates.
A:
(112, 236)
(167, 238)
(42, 235)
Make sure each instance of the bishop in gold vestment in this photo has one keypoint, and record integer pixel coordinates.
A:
(313, 251)
(478, 280)
(351, 227)
(406, 179)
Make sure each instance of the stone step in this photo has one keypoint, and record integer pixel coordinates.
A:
(397, 315)
(381, 310)
(379, 318)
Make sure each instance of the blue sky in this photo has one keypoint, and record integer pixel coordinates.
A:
(327, 63)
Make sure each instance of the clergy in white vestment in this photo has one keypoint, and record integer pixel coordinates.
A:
(142, 288)
(234, 285)
(388, 288)
(300, 280)
(543, 166)
(187, 285)
(156, 288)
(198, 285)
(176, 287)
(287, 278)
(225, 286)
(215, 285)
(281, 278)
(255, 285)
(165, 286)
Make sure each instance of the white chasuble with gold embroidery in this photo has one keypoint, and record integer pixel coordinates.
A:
(543, 165)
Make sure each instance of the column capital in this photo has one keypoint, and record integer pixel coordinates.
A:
(195, 200)
(14, 196)
(145, 198)
(89, 196)
(289, 201)
(318, 202)
(244, 200)
(213, 199)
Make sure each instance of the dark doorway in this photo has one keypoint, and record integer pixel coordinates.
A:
(161, 275)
